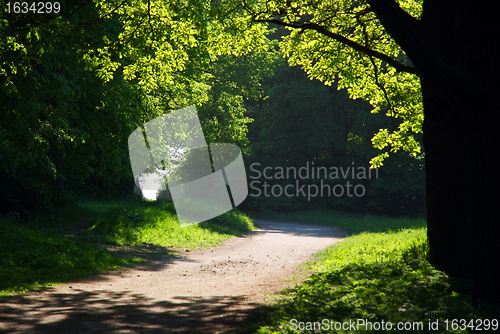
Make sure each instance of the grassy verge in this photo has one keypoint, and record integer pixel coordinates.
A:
(33, 258)
(157, 224)
(375, 276)
(349, 222)
(70, 243)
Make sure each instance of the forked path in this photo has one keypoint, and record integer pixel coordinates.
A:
(203, 291)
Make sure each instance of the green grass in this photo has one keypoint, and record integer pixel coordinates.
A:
(157, 224)
(381, 275)
(53, 248)
(34, 258)
(349, 222)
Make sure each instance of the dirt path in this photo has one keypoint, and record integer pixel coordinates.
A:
(203, 291)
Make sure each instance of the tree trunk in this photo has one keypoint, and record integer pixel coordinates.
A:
(462, 147)
(453, 47)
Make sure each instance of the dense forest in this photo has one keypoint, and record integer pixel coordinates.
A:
(78, 82)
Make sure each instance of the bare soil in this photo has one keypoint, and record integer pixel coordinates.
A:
(217, 290)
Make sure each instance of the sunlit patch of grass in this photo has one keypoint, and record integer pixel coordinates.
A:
(349, 222)
(157, 224)
(376, 276)
(367, 248)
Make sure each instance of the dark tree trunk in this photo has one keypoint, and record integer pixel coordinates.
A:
(447, 149)
(454, 48)
(462, 147)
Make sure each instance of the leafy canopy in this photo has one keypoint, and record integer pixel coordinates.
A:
(343, 41)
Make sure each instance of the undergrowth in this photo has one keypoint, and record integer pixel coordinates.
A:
(33, 258)
(349, 222)
(157, 224)
(376, 277)
(62, 245)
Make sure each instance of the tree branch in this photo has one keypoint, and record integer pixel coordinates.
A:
(344, 40)
(406, 31)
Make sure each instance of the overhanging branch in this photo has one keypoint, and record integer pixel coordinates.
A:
(344, 40)
(405, 30)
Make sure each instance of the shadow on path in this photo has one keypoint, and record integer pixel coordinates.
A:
(299, 229)
(125, 312)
